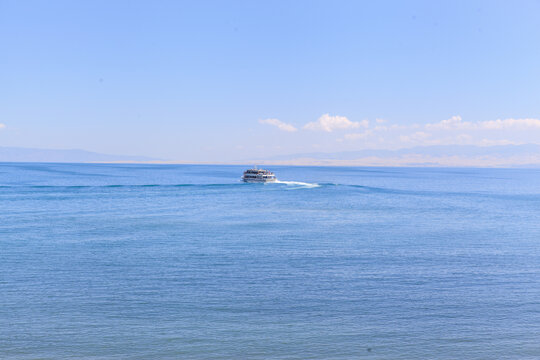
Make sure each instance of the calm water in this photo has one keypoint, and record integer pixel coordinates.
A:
(171, 262)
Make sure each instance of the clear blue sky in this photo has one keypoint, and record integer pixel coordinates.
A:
(199, 80)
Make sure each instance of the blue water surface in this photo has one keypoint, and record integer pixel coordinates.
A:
(108, 261)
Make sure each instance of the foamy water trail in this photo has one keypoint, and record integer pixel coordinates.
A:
(299, 184)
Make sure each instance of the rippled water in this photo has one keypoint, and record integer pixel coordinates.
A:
(177, 261)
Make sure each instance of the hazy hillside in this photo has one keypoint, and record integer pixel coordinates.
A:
(15, 154)
(442, 155)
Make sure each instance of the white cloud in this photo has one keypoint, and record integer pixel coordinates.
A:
(279, 124)
(357, 136)
(456, 123)
(330, 123)
(509, 124)
(2, 126)
(489, 142)
(418, 136)
(380, 121)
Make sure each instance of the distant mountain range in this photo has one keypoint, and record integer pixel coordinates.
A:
(16, 154)
(441, 155)
(434, 150)
(437, 155)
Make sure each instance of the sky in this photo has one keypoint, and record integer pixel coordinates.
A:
(229, 80)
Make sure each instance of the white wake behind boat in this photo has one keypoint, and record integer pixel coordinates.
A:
(258, 176)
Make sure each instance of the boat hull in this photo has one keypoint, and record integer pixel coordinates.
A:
(259, 180)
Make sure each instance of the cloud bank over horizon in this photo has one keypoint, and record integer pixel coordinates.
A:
(384, 134)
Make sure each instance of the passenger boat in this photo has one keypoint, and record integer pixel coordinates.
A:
(258, 176)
